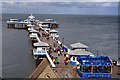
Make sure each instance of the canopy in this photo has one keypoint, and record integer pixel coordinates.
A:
(41, 44)
(79, 52)
(33, 30)
(53, 31)
(33, 35)
(78, 45)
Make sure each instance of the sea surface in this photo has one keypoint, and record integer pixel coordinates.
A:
(97, 32)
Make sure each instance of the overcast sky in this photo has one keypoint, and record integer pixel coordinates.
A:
(66, 7)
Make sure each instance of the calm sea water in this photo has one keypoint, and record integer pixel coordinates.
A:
(97, 32)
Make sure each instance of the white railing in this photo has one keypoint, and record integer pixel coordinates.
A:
(50, 60)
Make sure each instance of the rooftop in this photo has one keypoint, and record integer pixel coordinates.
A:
(94, 60)
(53, 30)
(78, 45)
(33, 35)
(79, 52)
(41, 44)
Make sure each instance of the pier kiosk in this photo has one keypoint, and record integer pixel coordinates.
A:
(29, 27)
(50, 22)
(77, 52)
(41, 52)
(45, 27)
(94, 67)
(34, 37)
(78, 49)
(54, 33)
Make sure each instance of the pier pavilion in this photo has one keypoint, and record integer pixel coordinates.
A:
(94, 67)
(15, 23)
(77, 52)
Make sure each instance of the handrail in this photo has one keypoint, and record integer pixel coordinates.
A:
(50, 60)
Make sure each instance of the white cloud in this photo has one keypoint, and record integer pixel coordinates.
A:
(58, 7)
(106, 5)
(62, 0)
(11, 3)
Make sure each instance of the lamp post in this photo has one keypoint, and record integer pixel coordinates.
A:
(97, 52)
(63, 40)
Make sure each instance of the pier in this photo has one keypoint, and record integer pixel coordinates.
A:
(54, 51)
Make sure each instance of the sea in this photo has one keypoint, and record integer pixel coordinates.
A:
(98, 32)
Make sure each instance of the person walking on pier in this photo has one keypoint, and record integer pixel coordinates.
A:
(53, 60)
(58, 53)
(66, 59)
(56, 61)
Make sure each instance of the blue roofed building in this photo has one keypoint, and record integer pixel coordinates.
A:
(94, 67)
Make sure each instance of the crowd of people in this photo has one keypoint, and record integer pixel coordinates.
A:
(59, 51)
(55, 60)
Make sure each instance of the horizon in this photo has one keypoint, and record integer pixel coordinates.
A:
(61, 14)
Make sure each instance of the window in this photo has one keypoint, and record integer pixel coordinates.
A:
(86, 69)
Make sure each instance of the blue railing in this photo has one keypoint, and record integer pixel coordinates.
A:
(93, 75)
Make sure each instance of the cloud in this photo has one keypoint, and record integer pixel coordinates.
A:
(60, 7)
(84, 4)
(106, 4)
(61, 0)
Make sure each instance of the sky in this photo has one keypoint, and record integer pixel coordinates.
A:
(86, 7)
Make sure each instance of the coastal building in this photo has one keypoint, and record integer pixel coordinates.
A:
(34, 37)
(15, 23)
(45, 27)
(31, 19)
(39, 53)
(77, 52)
(78, 49)
(94, 67)
(50, 22)
(29, 27)
(54, 33)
